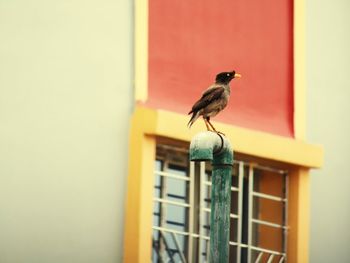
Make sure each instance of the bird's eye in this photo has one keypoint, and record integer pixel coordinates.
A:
(228, 74)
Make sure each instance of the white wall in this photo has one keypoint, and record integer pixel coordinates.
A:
(328, 71)
(65, 102)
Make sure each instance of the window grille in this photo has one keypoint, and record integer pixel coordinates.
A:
(181, 216)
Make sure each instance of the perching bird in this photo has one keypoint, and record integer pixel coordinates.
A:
(213, 100)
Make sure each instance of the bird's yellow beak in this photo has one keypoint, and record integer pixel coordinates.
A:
(237, 75)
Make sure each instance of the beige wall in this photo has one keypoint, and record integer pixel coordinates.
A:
(328, 97)
(65, 101)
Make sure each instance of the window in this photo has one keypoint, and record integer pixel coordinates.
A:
(181, 214)
(261, 155)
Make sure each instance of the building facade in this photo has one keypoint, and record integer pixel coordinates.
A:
(93, 139)
(175, 56)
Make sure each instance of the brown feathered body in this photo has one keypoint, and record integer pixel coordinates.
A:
(213, 100)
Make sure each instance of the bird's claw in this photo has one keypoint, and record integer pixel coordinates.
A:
(218, 132)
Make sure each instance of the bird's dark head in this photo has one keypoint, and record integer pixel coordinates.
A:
(226, 77)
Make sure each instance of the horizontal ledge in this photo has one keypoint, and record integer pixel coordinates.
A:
(162, 123)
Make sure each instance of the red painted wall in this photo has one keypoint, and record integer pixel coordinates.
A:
(191, 41)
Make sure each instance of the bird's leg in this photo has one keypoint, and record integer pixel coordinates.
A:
(212, 126)
(206, 124)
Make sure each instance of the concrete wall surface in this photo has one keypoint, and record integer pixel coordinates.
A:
(65, 103)
(328, 94)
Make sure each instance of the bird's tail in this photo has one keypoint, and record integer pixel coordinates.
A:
(194, 117)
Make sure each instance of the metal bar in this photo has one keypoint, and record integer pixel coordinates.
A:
(262, 167)
(175, 223)
(166, 249)
(207, 200)
(250, 211)
(232, 243)
(163, 210)
(285, 215)
(201, 206)
(182, 256)
(266, 223)
(267, 251)
(281, 259)
(191, 212)
(270, 258)
(206, 210)
(196, 209)
(259, 249)
(155, 247)
(171, 175)
(171, 231)
(270, 197)
(165, 201)
(232, 187)
(240, 202)
(209, 211)
(259, 257)
(180, 232)
(233, 216)
(207, 249)
(204, 237)
(176, 196)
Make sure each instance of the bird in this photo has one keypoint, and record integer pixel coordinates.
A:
(214, 99)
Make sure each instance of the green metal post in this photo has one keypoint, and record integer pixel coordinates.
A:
(209, 146)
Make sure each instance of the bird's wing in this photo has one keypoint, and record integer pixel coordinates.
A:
(208, 97)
